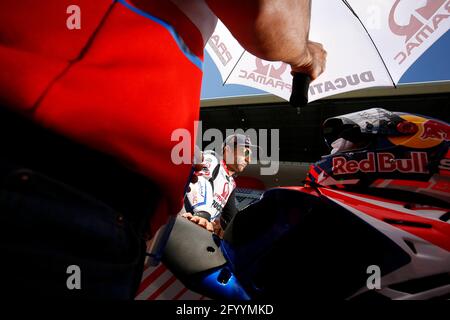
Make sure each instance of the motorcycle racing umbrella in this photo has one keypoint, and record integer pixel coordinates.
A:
(370, 43)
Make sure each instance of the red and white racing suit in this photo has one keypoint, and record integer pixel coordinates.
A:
(213, 195)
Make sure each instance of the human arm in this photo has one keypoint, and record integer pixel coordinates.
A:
(200, 220)
(200, 194)
(219, 225)
(274, 30)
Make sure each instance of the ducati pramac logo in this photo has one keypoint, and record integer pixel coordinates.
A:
(423, 22)
(220, 49)
(269, 74)
(273, 72)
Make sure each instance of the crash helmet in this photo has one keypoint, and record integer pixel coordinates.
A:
(377, 148)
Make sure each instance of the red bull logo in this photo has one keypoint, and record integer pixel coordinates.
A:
(444, 164)
(433, 129)
(431, 133)
(444, 167)
(382, 162)
(423, 22)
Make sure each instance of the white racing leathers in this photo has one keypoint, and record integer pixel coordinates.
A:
(213, 189)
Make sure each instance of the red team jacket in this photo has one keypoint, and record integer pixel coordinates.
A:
(121, 84)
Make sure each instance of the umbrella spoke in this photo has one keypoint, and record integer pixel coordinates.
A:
(234, 67)
(371, 40)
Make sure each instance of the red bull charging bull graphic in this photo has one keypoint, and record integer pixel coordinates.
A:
(433, 129)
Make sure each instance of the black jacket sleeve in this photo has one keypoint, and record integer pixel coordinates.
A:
(229, 211)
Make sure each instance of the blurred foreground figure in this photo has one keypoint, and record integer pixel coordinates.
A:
(90, 95)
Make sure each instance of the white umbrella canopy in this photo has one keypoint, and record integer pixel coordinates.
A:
(370, 43)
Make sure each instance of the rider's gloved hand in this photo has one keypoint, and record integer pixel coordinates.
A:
(200, 220)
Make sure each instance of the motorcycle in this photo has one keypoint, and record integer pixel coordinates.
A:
(371, 222)
(317, 242)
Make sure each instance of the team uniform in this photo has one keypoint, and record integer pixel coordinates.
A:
(213, 195)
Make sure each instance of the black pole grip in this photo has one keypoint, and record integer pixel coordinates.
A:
(300, 88)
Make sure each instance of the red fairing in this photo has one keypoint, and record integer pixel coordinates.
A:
(410, 220)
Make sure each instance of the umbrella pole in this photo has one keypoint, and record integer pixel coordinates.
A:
(300, 81)
(300, 88)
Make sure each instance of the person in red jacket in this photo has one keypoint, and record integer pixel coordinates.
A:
(90, 93)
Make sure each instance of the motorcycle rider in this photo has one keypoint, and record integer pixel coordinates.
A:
(388, 147)
(211, 201)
